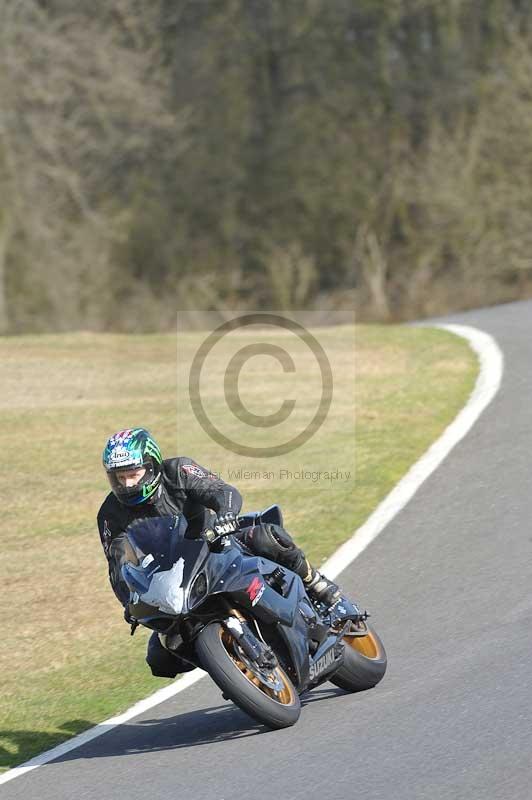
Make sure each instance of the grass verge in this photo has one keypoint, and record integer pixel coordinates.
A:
(67, 661)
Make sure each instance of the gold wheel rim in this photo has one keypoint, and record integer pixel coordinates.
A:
(285, 697)
(366, 645)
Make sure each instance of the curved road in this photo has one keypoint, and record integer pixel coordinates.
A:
(449, 586)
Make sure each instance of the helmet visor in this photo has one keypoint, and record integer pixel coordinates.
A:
(127, 482)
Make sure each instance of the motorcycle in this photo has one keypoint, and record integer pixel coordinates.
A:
(245, 620)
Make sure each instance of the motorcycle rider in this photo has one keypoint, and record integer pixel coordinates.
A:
(144, 485)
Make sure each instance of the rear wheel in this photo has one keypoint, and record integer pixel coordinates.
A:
(364, 660)
(266, 695)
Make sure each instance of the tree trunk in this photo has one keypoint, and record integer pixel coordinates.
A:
(4, 238)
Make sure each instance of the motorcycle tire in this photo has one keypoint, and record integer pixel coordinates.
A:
(364, 662)
(218, 654)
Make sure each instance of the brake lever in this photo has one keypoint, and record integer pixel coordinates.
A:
(214, 542)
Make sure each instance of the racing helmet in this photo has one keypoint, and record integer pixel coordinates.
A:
(133, 463)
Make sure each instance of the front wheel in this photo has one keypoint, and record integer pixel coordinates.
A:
(364, 660)
(268, 697)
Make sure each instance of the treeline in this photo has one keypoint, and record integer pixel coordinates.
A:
(211, 154)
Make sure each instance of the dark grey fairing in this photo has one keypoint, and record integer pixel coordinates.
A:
(230, 578)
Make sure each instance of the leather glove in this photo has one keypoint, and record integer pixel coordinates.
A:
(221, 526)
(225, 524)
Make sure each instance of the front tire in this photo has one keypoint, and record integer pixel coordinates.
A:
(270, 699)
(364, 661)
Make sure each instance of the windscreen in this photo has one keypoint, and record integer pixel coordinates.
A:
(159, 537)
(166, 561)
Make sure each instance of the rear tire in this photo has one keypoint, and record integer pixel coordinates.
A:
(364, 662)
(277, 707)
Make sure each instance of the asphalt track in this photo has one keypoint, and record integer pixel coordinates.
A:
(448, 583)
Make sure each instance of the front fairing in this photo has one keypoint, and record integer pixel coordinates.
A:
(170, 575)
(164, 564)
(161, 567)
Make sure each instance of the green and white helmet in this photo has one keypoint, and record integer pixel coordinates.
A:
(133, 449)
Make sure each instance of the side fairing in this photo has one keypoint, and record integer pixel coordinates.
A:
(243, 578)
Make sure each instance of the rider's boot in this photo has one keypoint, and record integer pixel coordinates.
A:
(321, 588)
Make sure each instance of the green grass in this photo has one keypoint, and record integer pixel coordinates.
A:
(67, 660)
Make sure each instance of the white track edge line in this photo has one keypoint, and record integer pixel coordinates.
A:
(160, 696)
(487, 385)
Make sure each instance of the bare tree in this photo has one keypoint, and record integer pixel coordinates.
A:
(83, 108)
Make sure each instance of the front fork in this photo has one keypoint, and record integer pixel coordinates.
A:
(254, 649)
